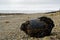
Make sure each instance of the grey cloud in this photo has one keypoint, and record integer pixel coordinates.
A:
(29, 5)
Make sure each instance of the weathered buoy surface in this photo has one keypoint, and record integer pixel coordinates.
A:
(39, 27)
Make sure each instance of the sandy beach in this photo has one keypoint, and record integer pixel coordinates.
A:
(10, 26)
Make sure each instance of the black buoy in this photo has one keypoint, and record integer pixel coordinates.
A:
(39, 27)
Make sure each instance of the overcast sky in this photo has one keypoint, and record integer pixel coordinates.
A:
(29, 5)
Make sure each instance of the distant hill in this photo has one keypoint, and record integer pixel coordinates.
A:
(53, 12)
